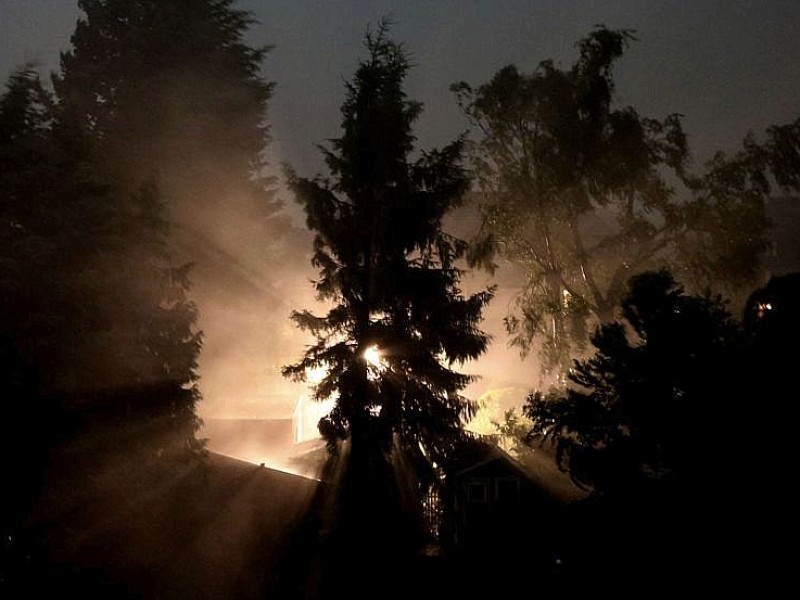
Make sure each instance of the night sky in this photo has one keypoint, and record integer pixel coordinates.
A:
(729, 65)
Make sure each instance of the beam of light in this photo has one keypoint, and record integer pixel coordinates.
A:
(307, 412)
(306, 415)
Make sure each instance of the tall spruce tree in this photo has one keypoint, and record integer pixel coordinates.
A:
(172, 92)
(97, 336)
(26, 172)
(93, 302)
(399, 323)
(170, 88)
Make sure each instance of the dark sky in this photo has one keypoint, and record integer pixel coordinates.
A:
(728, 65)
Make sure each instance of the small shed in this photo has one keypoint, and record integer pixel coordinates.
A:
(492, 501)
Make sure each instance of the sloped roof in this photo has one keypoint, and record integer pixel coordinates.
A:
(539, 468)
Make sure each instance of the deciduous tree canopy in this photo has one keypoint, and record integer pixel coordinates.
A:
(583, 194)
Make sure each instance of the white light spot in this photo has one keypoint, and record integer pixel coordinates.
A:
(373, 356)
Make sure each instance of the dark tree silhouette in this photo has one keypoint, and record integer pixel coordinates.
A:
(92, 301)
(655, 425)
(582, 194)
(25, 149)
(171, 93)
(398, 322)
(157, 117)
(648, 408)
(158, 114)
(170, 89)
(97, 335)
(772, 330)
(172, 127)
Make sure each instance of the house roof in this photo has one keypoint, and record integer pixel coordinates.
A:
(494, 454)
(539, 467)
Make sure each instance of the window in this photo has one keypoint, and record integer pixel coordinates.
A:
(506, 490)
(477, 492)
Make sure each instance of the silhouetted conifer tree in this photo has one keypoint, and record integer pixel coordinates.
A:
(652, 424)
(647, 408)
(94, 312)
(164, 104)
(398, 322)
(170, 93)
(171, 89)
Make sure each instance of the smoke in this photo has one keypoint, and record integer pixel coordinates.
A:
(248, 277)
(250, 253)
(246, 295)
(234, 225)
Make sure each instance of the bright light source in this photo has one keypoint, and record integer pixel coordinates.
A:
(373, 356)
(316, 374)
(762, 308)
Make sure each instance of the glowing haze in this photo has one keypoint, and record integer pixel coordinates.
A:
(245, 304)
(729, 67)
